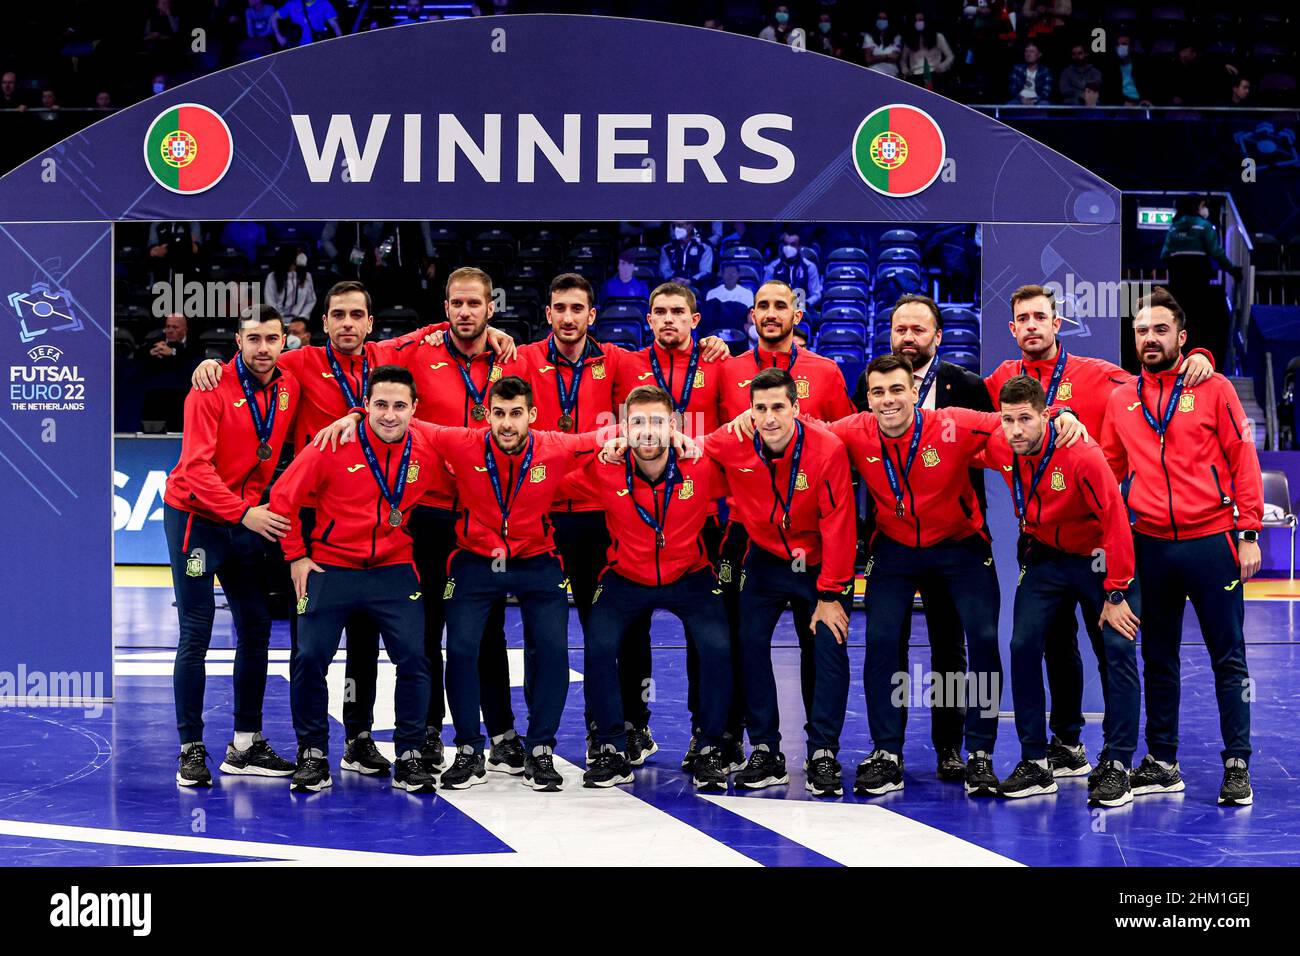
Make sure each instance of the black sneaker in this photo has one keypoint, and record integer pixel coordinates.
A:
(950, 766)
(764, 769)
(540, 772)
(411, 773)
(362, 756)
(733, 754)
(692, 751)
(881, 772)
(259, 760)
(824, 772)
(981, 781)
(465, 771)
(507, 755)
(433, 753)
(1066, 761)
(1099, 771)
(193, 770)
(1151, 777)
(709, 770)
(313, 773)
(1112, 788)
(640, 745)
(1236, 791)
(1027, 780)
(609, 768)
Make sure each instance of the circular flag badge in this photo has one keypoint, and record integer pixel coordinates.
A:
(898, 150)
(188, 148)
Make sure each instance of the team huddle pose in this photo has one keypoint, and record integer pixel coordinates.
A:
(439, 473)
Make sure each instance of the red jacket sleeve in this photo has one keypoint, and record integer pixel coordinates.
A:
(297, 489)
(414, 338)
(1237, 439)
(199, 448)
(1111, 445)
(838, 523)
(1103, 498)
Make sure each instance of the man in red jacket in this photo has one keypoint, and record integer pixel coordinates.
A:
(1084, 384)
(656, 504)
(1186, 459)
(1071, 516)
(357, 558)
(791, 492)
(232, 440)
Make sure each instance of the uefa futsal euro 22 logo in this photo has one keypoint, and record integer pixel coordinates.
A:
(43, 309)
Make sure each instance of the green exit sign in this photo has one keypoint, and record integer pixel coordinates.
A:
(1155, 217)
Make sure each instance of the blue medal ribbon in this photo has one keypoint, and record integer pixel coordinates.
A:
(345, 386)
(671, 479)
(895, 485)
(1058, 371)
(796, 453)
(691, 368)
(494, 476)
(1160, 427)
(263, 426)
(568, 396)
(393, 497)
(928, 381)
(794, 354)
(1018, 485)
(462, 364)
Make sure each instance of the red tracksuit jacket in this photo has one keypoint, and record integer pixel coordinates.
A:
(939, 502)
(818, 380)
(1204, 478)
(822, 517)
(528, 530)
(705, 408)
(352, 528)
(633, 551)
(1075, 508)
(219, 475)
(594, 407)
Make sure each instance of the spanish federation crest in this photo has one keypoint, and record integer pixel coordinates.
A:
(699, 378)
(1186, 402)
(598, 370)
(537, 473)
(194, 565)
(1058, 481)
(724, 572)
(413, 472)
(801, 388)
(449, 590)
(284, 401)
(930, 457)
(801, 482)
(1065, 392)
(495, 375)
(686, 489)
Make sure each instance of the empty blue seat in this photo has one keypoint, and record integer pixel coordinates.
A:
(899, 237)
(847, 273)
(622, 332)
(715, 315)
(845, 293)
(743, 254)
(627, 311)
(880, 342)
(963, 357)
(846, 311)
(898, 254)
(959, 315)
(848, 254)
(841, 333)
(960, 337)
(737, 339)
(851, 359)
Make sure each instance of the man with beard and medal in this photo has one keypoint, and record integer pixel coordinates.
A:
(232, 439)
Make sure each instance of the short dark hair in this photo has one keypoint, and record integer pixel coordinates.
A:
(390, 373)
(889, 362)
(1023, 389)
(1160, 296)
(774, 378)
(571, 280)
(924, 300)
(1032, 292)
(674, 288)
(512, 387)
(343, 288)
(649, 395)
(259, 314)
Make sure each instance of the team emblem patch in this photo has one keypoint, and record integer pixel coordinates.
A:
(301, 607)
(686, 490)
(284, 401)
(1186, 402)
(449, 590)
(598, 370)
(801, 388)
(495, 375)
(596, 597)
(1065, 392)
(801, 482)
(194, 565)
(699, 379)
(1058, 481)
(537, 473)
(930, 457)
(724, 572)
(413, 471)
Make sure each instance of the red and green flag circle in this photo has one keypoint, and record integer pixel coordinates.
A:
(898, 150)
(188, 148)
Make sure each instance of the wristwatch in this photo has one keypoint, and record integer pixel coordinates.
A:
(1251, 536)
(1115, 597)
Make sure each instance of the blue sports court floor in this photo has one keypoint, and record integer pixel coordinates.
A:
(85, 789)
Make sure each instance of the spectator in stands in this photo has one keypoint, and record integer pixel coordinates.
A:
(161, 33)
(49, 100)
(685, 254)
(300, 22)
(1031, 81)
(246, 237)
(828, 39)
(167, 239)
(159, 84)
(414, 12)
(1188, 82)
(1240, 91)
(299, 329)
(800, 333)
(1041, 21)
(882, 46)
(796, 270)
(1191, 251)
(625, 285)
(730, 289)
(1054, 12)
(713, 23)
(103, 100)
(1092, 95)
(289, 286)
(173, 348)
(259, 20)
(1123, 77)
(779, 29)
(11, 97)
(927, 58)
(1076, 76)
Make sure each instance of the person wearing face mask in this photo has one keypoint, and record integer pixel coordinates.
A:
(1076, 77)
(796, 271)
(289, 285)
(1030, 82)
(882, 46)
(779, 29)
(926, 58)
(625, 285)
(828, 39)
(1191, 252)
(685, 254)
(1125, 76)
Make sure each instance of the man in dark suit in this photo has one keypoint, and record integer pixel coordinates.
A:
(916, 329)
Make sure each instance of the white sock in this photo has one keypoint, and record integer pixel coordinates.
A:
(1167, 766)
(1042, 763)
(244, 740)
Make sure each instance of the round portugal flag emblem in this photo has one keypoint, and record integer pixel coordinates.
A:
(188, 149)
(898, 150)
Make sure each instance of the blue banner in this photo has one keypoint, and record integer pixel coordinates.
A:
(140, 469)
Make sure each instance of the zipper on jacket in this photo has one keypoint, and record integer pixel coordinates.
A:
(1169, 486)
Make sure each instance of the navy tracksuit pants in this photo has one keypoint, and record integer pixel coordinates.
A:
(770, 584)
(1206, 571)
(474, 585)
(388, 595)
(1050, 581)
(199, 549)
(697, 601)
(893, 574)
